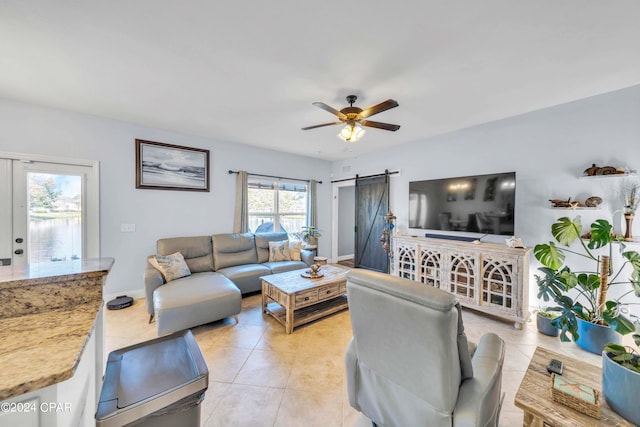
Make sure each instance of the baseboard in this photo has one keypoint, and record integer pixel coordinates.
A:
(135, 294)
(344, 257)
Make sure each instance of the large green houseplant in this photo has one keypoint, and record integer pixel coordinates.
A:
(589, 287)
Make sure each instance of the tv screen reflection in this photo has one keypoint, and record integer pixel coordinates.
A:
(481, 204)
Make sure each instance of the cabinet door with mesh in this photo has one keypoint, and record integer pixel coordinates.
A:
(499, 279)
(405, 260)
(430, 266)
(462, 277)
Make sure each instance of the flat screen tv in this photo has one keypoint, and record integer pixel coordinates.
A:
(475, 204)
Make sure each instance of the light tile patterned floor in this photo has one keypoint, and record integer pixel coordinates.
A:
(260, 376)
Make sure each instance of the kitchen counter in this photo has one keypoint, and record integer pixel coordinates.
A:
(47, 315)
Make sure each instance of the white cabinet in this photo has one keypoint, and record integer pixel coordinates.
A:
(487, 277)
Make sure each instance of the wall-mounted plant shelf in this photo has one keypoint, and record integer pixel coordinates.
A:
(577, 208)
(611, 175)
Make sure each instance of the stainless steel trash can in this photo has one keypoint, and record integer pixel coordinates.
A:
(160, 383)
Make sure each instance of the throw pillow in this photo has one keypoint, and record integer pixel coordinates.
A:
(279, 251)
(171, 267)
(294, 251)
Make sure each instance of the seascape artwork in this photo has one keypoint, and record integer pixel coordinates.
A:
(172, 167)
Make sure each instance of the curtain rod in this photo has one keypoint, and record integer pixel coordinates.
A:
(273, 176)
(386, 172)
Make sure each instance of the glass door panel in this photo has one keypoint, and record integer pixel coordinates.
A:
(54, 215)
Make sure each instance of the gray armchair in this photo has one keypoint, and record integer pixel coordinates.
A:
(409, 363)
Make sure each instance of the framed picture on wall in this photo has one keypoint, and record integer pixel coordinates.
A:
(161, 166)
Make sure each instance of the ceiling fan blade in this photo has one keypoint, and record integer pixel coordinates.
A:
(319, 126)
(383, 106)
(332, 110)
(378, 125)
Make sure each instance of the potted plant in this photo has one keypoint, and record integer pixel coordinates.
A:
(588, 317)
(310, 234)
(544, 322)
(621, 379)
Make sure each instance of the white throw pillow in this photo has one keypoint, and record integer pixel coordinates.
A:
(171, 267)
(294, 251)
(279, 251)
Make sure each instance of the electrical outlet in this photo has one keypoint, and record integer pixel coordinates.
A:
(127, 228)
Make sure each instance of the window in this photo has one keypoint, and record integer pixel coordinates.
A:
(277, 206)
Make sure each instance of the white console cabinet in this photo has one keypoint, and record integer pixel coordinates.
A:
(487, 277)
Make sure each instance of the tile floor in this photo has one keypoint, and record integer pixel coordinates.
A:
(260, 376)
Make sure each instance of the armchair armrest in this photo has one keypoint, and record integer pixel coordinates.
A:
(351, 361)
(152, 280)
(307, 256)
(479, 398)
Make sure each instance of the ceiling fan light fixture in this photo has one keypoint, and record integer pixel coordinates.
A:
(352, 132)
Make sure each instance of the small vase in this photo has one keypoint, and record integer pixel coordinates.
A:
(628, 235)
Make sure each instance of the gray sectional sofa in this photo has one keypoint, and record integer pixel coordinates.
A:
(223, 267)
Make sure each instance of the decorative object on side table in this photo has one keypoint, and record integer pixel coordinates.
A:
(320, 260)
(310, 235)
(621, 379)
(590, 309)
(578, 396)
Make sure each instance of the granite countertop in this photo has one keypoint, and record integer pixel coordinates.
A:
(47, 313)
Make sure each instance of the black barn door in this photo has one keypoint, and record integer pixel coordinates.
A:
(372, 204)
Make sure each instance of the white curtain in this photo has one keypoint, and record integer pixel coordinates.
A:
(241, 217)
(313, 203)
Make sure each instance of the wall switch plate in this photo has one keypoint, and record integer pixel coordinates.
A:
(127, 228)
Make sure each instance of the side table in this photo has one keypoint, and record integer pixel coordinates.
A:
(534, 394)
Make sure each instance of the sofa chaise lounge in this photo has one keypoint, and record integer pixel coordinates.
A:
(222, 267)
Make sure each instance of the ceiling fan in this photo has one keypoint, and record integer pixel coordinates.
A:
(354, 118)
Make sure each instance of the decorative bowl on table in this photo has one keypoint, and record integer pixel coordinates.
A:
(313, 272)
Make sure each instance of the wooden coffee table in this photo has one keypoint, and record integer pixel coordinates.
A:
(294, 300)
(534, 394)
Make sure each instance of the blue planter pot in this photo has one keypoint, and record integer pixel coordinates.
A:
(594, 337)
(620, 389)
(545, 327)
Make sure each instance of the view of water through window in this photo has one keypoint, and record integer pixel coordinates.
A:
(55, 217)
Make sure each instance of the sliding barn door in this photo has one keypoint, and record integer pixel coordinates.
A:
(372, 204)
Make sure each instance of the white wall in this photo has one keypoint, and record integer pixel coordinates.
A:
(548, 149)
(26, 128)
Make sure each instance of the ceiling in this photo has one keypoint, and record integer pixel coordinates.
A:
(247, 71)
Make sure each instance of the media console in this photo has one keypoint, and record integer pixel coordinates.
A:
(487, 277)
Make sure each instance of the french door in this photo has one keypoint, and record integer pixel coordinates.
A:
(49, 211)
